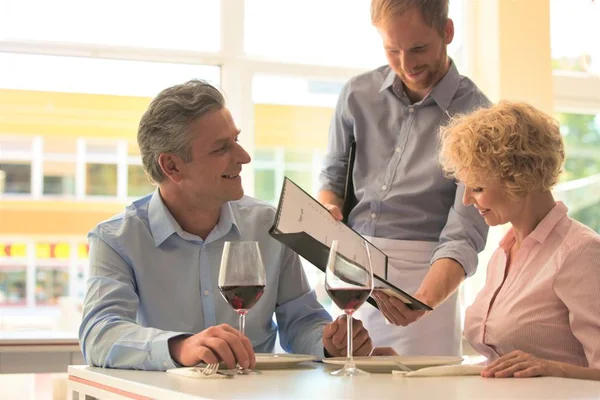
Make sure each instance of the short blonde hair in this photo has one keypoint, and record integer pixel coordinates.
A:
(514, 143)
(434, 12)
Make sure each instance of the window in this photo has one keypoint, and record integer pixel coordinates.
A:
(183, 25)
(101, 180)
(55, 269)
(78, 99)
(574, 33)
(273, 164)
(346, 40)
(332, 32)
(59, 178)
(17, 177)
(59, 167)
(13, 274)
(265, 184)
(291, 121)
(138, 183)
(51, 283)
(15, 163)
(116, 77)
(581, 133)
(13, 285)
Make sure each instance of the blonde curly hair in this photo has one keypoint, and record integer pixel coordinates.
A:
(514, 143)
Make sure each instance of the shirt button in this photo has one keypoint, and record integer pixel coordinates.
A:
(384, 187)
(373, 215)
(411, 110)
(398, 149)
(165, 364)
(206, 292)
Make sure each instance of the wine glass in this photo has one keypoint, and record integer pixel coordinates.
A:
(242, 281)
(349, 282)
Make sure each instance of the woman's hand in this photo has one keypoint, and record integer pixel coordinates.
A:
(519, 364)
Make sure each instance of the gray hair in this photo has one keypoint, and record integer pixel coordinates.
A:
(164, 126)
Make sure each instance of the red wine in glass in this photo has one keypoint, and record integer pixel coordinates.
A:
(242, 281)
(348, 300)
(349, 282)
(242, 298)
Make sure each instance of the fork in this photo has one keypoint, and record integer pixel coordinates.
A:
(209, 369)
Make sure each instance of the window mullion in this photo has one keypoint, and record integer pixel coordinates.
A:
(122, 178)
(80, 178)
(236, 80)
(37, 168)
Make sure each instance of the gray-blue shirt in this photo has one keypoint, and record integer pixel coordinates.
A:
(150, 281)
(398, 182)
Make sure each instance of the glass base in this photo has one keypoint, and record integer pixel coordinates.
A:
(246, 371)
(349, 371)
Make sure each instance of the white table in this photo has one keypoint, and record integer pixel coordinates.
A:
(32, 352)
(311, 381)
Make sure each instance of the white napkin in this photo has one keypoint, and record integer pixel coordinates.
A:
(194, 372)
(444, 370)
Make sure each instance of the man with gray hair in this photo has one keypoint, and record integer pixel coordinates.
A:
(152, 300)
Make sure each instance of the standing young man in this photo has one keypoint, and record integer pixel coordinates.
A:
(405, 205)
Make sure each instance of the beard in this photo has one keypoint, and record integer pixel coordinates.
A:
(432, 74)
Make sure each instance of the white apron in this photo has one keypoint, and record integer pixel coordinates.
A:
(436, 334)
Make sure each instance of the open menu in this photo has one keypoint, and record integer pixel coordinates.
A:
(305, 226)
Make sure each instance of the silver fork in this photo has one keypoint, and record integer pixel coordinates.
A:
(210, 369)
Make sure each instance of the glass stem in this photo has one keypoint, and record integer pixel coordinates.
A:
(350, 358)
(242, 322)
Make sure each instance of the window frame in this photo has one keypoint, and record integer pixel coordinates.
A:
(237, 71)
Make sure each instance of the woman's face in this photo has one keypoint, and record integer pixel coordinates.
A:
(493, 202)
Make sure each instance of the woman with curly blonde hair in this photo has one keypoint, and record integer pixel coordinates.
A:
(539, 312)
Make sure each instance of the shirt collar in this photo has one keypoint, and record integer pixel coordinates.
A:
(542, 230)
(508, 240)
(389, 80)
(163, 224)
(226, 223)
(442, 93)
(549, 222)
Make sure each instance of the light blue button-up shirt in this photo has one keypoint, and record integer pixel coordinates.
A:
(401, 191)
(150, 281)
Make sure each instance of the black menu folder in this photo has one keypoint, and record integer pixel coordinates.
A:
(349, 197)
(306, 227)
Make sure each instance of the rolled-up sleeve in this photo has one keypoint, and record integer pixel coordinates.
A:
(341, 135)
(300, 317)
(463, 236)
(577, 284)
(109, 335)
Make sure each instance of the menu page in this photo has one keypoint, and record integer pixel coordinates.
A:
(299, 212)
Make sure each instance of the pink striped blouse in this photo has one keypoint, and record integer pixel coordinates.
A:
(549, 303)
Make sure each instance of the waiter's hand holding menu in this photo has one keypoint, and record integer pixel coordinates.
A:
(308, 228)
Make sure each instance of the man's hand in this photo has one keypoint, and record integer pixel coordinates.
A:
(383, 351)
(332, 202)
(213, 345)
(335, 338)
(394, 310)
(334, 211)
